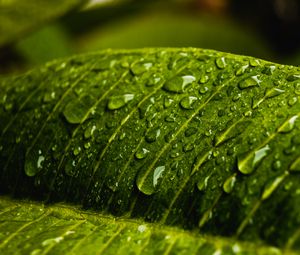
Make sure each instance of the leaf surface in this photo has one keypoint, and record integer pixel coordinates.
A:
(195, 139)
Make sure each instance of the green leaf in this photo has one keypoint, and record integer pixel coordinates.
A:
(189, 139)
(19, 17)
(61, 229)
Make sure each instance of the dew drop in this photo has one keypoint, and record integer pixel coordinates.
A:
(140, 67)
(141, 153)
(187, 102)
(297, 88)
(168, 102)
(157, 174)
(288, 125)
(221, 63)
(89, 131)
(229, 184)
(76, 110)
(204, 79)
(203, 89)
(153, 80)
(152, 135)
(178, 83)
(292, 101)
(241, 70)
(254, 62)
(116, 102)
(203, 183)
(249, 82)
(293, 77)
(33, 162)
(273, 92)
(248, 162)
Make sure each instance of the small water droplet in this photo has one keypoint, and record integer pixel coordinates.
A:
(269, 70)
(241, 70)
(273, 92)
(248, 162)
(168, 102)
(297, 88)
(276, 165)
(116, 102)
(152, 135)
(76, 150)
(249, 82)
(272, 184)
(179, 83)
(221, 63)
(70, 168)
(141, 153)
(203, 183)
(153, 80)
(188, 147)
(229, 184)
(292, 101)
(204, 79)
(203, 89)
(33, 162)
(141, 67)
(187, 102)
(89, 131)
(293, 77)
(288, 125)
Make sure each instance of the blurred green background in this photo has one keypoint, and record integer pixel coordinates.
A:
(268, 29)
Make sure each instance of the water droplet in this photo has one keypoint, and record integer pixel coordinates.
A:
(76, 150)
(140, 67)
(202, 183)
(204, 79)
(203, 89)
(273, 92)
(229, 184)
(187, 102)
(89, 131)
(288, 125)
(116, 102)
(153, 80)
(144, 109)
(188, 147)
(179, 83)
(76, 110)
(241, 70)
(232, 131)
(271, 185)
(221, 63)
(297, 88)
(249, 82)
(295, 166)
(152, 135)
(142, 228)
(70, 168)
(33, 162)
(168, 102)
(141, 153)
(248, 162)
(276, 165)
(269, 70)
(293, 77)
(292, 101)
(254, 62)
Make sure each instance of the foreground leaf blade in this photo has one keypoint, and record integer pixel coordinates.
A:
(202, 140)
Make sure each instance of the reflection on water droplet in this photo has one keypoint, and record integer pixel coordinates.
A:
(221, 63)
(272, 185)
(288, 125)
(141, 153)
(89, 131)
(140, 68)
(116, 102)
(292, 101)
(229, 184)
(254, 62)
(157, 174)
(153, 80)
(248, 162)
(273, 92)
(179, 83)
(249, 82)
(187, 102)
(202, 183)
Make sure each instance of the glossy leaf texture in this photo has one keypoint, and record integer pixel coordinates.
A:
(189, 138)
(19, 17)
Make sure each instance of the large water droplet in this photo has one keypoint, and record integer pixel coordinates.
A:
(229, 184)
(76, 110)
(221, 63)
(295, 166)
(179, 83)
(141, 153)
(288, 125)
(116, 102)
(273, 92)
(33, 162)
(272, 185)
(249, 82)
(248, 162)
(187, 102)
